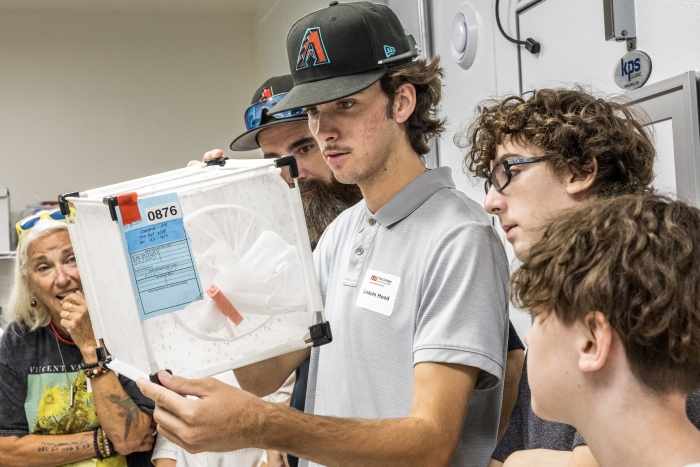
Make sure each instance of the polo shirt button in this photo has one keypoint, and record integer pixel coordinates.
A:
(359, 251)
(372, 222)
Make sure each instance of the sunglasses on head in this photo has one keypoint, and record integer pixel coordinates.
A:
(28, 223)
(254, 113)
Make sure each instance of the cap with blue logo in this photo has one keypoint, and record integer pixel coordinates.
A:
(342, 50)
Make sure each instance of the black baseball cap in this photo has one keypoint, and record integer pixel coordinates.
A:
(274, 86)
(342, 50)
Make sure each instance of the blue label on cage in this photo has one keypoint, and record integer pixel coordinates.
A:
(163, 273)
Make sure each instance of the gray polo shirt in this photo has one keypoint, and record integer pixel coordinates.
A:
(422, 280)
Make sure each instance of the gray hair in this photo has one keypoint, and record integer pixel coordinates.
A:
(28, 317)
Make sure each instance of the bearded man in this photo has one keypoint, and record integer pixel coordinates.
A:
(288, 134)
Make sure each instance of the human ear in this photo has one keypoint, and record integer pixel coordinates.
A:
(580, 182)
(594, 342)
(404, 102)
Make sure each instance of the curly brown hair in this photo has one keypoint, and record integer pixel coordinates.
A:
(570, 127)
(636, 259)
(424, 124)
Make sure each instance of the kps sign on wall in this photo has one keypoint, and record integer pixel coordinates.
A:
(632, 70)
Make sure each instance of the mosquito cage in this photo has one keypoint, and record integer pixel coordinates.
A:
(198, 270)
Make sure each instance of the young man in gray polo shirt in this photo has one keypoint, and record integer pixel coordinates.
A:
(414, 278)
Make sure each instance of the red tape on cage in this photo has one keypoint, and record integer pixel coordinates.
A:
(224, 305)
(129, 208)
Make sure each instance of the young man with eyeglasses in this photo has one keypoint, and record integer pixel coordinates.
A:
(541, 154)
(414, 278)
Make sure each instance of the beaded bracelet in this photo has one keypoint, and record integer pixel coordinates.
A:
(86, 365)
(104, 445)
(98, 371)
(95, 443)
(98, 368)
(109, 449)
(101, 442)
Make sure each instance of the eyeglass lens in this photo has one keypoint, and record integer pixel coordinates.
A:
(289, 113)
(31, 222)
(57, 215)
(254, 113)
(498, 178)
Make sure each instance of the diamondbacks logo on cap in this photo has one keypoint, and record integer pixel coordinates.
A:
(312, 46)
(266, 94)
(389, 51)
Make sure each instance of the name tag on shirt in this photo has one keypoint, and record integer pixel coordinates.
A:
(378, 292)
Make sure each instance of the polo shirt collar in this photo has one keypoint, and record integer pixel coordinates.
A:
(413, 195)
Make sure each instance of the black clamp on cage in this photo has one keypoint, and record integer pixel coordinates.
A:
(63, 204)
(101, 352)
(103, 358)
(153, 377)
(221, 161)
(321, 334)
(288, 161)
(112, 203)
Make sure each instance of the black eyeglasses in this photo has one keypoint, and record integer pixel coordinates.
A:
(501, 175)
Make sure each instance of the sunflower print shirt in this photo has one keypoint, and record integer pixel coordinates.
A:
(35, 392)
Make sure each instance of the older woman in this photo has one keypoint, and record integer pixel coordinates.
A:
(58, 406)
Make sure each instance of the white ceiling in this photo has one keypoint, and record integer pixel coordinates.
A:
(208, 6)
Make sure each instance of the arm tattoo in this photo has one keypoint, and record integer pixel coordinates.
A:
(63, 446)
(129, 411)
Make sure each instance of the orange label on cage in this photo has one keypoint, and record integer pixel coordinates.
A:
(224, 305)
(129, 208)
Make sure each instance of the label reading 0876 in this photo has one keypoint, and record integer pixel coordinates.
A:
(163, 213)
(162, 269)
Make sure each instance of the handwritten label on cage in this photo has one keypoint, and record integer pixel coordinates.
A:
(163, 273)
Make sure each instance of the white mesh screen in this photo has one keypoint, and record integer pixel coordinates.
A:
(248, 239)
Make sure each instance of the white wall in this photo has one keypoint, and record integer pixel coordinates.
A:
(666, 30)
(93, 98)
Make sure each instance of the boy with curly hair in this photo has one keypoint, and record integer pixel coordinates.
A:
(614, 349)
(559, 147)
(543, 153)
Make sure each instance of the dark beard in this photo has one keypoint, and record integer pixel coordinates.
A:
(324, 203)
